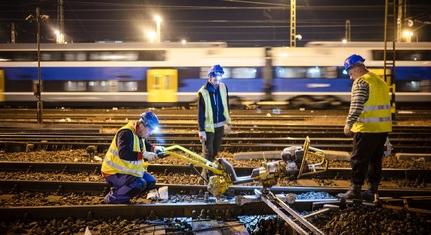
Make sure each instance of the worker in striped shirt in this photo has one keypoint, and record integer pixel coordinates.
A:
(369, 122)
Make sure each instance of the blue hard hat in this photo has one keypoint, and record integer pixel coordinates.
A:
(352, 60)
(215, 71)
(150, 120)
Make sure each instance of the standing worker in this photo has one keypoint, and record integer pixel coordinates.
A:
(214, 119)
(369, 121)
(123, 166)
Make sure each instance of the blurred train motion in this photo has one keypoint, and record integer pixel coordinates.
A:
(127, 73)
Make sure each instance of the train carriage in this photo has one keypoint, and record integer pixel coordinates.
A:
(136, 73)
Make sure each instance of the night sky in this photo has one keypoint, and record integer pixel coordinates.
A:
(239, 23)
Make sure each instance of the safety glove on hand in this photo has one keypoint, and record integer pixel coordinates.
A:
(227, 128)
(160, 151)
(150, 156)
(202, 136)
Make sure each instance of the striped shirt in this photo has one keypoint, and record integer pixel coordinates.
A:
(359, 96)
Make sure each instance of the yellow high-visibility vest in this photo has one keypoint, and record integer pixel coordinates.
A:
(209, 121)
(113, 164)
(376, 116)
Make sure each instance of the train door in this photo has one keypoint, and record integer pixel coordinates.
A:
(1, 85)
(162, 85)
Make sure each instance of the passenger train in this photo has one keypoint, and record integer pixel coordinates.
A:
(138, 73)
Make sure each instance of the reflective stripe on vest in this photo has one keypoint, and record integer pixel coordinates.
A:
(114, 152)
(375, 119)
(125, 169)
(209, 121)
(376, 116)
(377, 107)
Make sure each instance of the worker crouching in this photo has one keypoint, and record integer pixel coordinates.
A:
(124, 165)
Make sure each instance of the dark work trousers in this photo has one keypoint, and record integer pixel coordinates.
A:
(367, 155)
(127, 186)
(213, 143)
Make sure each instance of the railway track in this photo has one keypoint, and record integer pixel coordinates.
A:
(410, 145)
(226, 209)
(189, 130)
(252, 132)
(245, 137)
(196, 200)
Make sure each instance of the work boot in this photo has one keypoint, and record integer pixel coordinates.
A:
(369, 194)
(353, 193)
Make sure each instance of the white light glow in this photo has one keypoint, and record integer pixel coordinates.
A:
(157, 18)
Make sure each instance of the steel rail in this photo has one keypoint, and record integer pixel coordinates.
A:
(260, 126)
(73, 167)
(19, 146)
(402, 145)
(175, 114)
(97, 188)
(94, 134)
(224, 209)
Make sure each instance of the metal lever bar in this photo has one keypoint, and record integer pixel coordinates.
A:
(276, 204)
(194, 159)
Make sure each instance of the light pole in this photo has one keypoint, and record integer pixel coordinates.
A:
(158, 20)
(37, 89)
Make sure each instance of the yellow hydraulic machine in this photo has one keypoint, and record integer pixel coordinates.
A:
(295, 163)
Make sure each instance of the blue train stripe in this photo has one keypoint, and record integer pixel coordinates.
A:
(77, 73)
(413, 73)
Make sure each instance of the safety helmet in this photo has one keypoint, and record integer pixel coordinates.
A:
(352, 60)
(215, 71)
(150, 120)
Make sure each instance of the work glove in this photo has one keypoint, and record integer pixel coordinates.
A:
(388, 148)
(160, 151)
(227, 129)
(347, 131)
(202, 136)
(150, 156)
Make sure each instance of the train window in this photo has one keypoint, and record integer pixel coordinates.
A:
(227, 72)
(103, 86)
(331, 72)
(51, 56)
(404, 55)
(189, 72)
(152, 55)
(306, 72)
(75, 56)
(114, 56)
(128, 86)
(18, 56)
(6, 56)
(286, 72)
(314, 72)
(203, 74)
(244, 73)
(75, 86)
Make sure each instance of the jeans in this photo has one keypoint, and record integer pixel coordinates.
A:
(125, 187)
